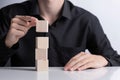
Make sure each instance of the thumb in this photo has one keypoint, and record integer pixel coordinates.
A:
(33, 22)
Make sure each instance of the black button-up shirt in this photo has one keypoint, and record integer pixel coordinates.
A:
(74, 31)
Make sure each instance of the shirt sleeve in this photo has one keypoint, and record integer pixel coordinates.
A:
(99, 44)
(5, 52)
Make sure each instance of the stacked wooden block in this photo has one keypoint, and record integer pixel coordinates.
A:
(42, 45)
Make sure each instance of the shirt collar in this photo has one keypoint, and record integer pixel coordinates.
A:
(65, 10)
(34, 8)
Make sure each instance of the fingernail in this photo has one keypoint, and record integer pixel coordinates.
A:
(78, 69)
(65, 69)
(71, 69)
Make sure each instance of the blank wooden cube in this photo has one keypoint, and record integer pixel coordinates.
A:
(42, 42)
(41, 54)
(42, 26)
(42, 65)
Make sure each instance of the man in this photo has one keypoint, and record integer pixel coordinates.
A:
(72, 30)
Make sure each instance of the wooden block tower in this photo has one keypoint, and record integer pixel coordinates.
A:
(42, 45)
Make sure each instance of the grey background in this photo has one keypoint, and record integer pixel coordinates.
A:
(7, 2)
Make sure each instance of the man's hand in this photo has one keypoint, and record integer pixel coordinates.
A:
(84, 61)
(18, 28)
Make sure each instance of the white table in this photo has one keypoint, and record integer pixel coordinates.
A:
(57, 73)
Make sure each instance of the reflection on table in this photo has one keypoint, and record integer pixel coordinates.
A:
(57, 73)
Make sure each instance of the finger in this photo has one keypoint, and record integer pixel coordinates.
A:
(25, 18)
(75, 60)
(72, 61)
(75, 57)
(81, 63)
(86, 66)
(31, 21)
(17, 33)
(19, 21)
(19, 27)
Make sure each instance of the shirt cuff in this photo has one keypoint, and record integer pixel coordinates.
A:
(109, 62)
(5, 49)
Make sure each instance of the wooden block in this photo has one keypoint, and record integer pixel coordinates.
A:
(42, 42)
(42, 65)
(41, 54)
(42, 26)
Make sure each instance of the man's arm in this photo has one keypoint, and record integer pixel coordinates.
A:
(11, 30)
(98, 44)
(5, 52)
